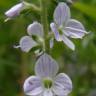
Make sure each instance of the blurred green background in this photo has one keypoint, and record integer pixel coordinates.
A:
(80, 65)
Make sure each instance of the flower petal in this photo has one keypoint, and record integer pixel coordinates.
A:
(68, 42)
(62, 85)
(26, 43)
(74, 29)
(14, 11)
(46, 66)
(35, 29)
(61, 14)
(51, 42)
(47, 92)
(55, 30)
(33, 86)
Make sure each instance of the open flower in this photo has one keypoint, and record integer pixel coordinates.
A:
(15, 10)
(47, 82)
(64, 27)
(26, 42)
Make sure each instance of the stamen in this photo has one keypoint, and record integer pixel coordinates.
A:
(47, 83)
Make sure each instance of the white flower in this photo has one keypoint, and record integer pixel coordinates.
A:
(47, 82)
(26, 42)
(64, 27)
(14, 11)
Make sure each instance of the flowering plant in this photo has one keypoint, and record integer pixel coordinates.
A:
(47, 82)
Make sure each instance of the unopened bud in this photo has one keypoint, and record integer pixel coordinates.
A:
(14, 11)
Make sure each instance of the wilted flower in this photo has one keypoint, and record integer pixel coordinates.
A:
(26, 42)
(46, 83)
(15, 10)
(64, 27)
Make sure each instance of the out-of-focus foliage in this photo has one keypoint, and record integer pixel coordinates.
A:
(80, 65)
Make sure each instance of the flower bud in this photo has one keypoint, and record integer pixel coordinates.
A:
(14, 11)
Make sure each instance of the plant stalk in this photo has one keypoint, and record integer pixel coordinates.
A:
(44, 5)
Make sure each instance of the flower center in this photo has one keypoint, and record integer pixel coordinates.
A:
(47, 83)
(60, 31)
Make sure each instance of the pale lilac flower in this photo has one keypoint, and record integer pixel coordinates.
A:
(64, 27)
(35, 29)
(14, 11)
(47, 82)
(26, 42)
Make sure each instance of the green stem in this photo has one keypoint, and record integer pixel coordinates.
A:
(44, 5)
(32, 6)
